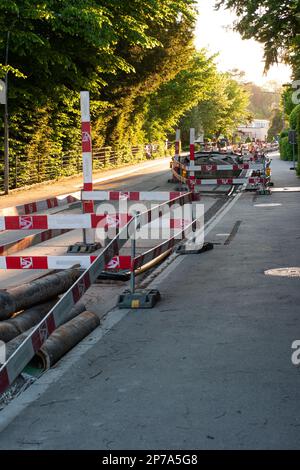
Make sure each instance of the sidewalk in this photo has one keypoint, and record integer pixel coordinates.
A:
(208, 368)
(72, 184)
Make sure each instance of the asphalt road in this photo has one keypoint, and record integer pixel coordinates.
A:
(208, 368)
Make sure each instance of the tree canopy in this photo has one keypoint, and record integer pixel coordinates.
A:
(274, 23)
(222, 110)
(137, 59)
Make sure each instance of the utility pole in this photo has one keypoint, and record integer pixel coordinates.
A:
(293, 142)
(6, 124)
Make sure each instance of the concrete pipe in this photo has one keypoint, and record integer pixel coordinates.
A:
(13, 344)
(10, 329)
(65, 338)
(14, 327)
(38, 291)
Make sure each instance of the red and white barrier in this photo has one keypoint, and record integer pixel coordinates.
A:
(56, 317)
(30, 240)
(218, 181)
(230, 181)
(192, 157)
(130, 195)
(60, 262)
(225, 167)
(87, 159)
(76, 221)
(178, 143)
(71, 221)
(154, 253)
(31, 208)
(161, 210)
(187, 173)
(37, 206)
(66, 262)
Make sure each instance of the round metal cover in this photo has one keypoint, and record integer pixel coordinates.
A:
(286, 272)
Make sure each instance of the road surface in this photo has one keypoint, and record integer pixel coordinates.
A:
(208, 368)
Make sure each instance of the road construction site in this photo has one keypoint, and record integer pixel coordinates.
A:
(240, 225)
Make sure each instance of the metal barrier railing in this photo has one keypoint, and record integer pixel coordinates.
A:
(27, 171)
(56, 316)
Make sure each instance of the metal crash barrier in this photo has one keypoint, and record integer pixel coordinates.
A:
(94, 267)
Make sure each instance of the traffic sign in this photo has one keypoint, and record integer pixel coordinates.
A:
(293, 137)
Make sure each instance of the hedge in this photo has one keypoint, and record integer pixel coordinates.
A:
(294, 117)
(286, 149)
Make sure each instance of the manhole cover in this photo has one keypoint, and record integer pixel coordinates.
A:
(286, 272)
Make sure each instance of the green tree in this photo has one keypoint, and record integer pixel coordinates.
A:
(223, 109)
(274, 23)
(263, 101)
(177, 96)
(121, 51)
(131, 93)
(276, 125)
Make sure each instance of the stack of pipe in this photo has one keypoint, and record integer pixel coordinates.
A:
(27, 295)
(23, 307)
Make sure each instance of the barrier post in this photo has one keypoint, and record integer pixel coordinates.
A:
(87, 160)
(176, 156)
(192, 158)
(178, 143)
(88, 245)
(133, 254)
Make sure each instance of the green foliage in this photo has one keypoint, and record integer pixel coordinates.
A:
(274, 23)
(223, 108)
(295, 125)
(262, 101)
(190, 86)
(139, 63)
(294, 117)
(276, 125)
(286, 149)
(133, 118)
(287, 101)
(284, 133)
(121, 52)
(298, 137)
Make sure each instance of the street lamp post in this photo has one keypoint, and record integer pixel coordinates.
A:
(4, 101)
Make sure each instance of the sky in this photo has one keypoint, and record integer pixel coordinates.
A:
(212, 33)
